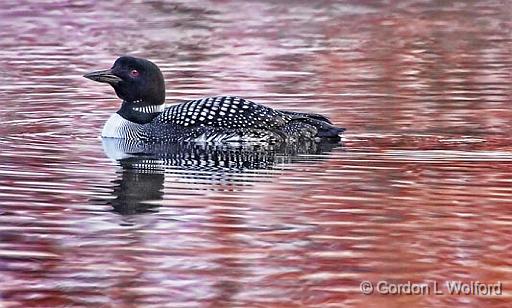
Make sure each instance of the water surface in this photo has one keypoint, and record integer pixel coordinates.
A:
(419, 190)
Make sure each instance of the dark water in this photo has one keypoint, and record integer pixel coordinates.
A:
(419, 191)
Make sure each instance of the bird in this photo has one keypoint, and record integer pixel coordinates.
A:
(144, 117)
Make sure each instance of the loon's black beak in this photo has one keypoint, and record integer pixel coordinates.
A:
(105, 76)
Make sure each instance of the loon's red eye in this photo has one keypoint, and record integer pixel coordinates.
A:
(134, 73)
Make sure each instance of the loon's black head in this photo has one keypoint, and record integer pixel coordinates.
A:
(134, 80)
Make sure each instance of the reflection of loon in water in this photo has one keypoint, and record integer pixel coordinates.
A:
(143, 166)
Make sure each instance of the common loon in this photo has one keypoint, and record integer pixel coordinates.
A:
(144, 117)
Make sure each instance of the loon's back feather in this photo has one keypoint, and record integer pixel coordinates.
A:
(228, 112)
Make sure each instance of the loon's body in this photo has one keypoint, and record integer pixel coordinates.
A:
(143, 115)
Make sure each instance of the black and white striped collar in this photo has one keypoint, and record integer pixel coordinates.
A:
(150, 108)
(140, 114)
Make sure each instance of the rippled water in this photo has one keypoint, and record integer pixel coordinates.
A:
(419, 190)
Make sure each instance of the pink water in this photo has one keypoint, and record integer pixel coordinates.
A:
(420, 190)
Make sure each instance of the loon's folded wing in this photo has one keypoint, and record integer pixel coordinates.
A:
(227, 117)
(315, 116)
(322, 124)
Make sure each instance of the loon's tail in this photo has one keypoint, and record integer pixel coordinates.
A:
(324, 127)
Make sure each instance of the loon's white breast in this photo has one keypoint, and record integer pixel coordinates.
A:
(119, 127)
